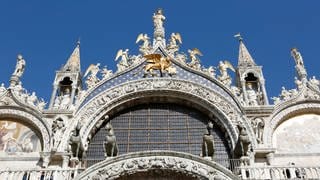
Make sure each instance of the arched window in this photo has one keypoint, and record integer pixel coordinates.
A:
(159, 126)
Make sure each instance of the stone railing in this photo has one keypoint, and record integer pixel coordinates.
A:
(39, 174)
(279, 172)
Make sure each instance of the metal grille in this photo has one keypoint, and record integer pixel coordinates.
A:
(159, 127)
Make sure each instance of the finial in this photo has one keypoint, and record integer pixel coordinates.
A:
(238, 35)
(78, 42)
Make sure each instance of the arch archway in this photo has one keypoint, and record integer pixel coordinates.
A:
(168, 162)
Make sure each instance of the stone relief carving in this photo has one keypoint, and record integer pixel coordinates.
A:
(258, 127)
(25, 97)
(130, 166)
(58, 130)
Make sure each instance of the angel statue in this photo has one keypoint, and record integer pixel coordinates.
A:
(106, 72)
(195, 61)
(158, 19)
(145, 47)
(92, 79)
(175, 37)
(224, 76)
(123, 64)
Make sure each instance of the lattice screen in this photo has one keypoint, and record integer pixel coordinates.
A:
(159, 127)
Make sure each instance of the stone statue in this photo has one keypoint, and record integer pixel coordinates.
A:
(298, 83)
(31, 100)
(58, 129)
(158, 19)
(208, 142)
(106, 73)
(224, 76)
(123, 64)
(110, 145)
(195, 61)
(315, 82)
(65, 100)
(285, 94)
(301, 71)
(75, 142)
(20, 66)
(258, 127)
(145, 47)
(41, 104)
(173, 42)
(243, 143)
(2, 88)
(252, 95)
(92, 79)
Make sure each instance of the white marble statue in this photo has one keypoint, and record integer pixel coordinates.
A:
(252, 95)
(224, 76)
(158, 19)
(123, 63)
(315, 82)
(2, 88)
(41, 104)
(106, 73)
(175, 38)
(195, 61)
(65, 100)
(258, 127)
(298, 83)
(20, 66)
(92, 79)
(145, 47)
(58, 129)
(31, 100)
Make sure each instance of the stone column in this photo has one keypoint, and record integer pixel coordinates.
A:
(53, 95)
(244, 91)
(73, 93)
(264, 92)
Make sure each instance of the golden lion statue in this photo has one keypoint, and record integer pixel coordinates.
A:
(157, 62)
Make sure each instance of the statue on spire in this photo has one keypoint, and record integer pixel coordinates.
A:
(158, 20)
(301, 71)
(19, 70)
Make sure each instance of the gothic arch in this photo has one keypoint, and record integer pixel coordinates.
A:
(284, 113)
(33, 121)
(94, 111)
(164, 161)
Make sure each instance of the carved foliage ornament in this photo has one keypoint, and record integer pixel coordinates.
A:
(144, 164)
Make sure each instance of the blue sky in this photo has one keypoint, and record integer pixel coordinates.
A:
(46, 33)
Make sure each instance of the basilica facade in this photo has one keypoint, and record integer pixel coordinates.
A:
(161, 115)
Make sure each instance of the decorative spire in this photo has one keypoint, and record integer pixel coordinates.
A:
(159, 32)
(245, 58)
(73, 63)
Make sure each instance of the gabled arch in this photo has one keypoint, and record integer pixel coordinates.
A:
(285, 112)
(33, 121)
(91, 113)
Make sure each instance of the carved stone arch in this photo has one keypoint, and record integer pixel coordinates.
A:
(284, 113)
(95, 110)
(157, 161)
(33, 121)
